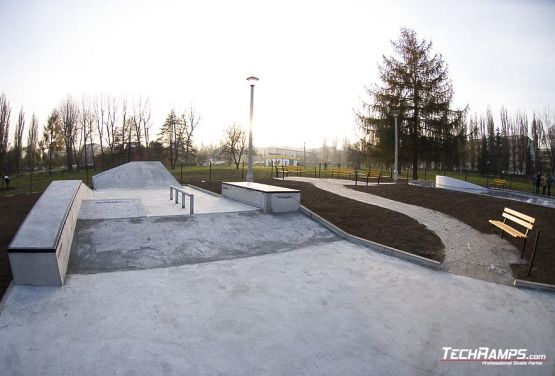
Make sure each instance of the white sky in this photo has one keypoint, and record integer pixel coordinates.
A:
(313, 58)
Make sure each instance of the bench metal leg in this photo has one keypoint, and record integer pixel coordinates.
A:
(523, 247)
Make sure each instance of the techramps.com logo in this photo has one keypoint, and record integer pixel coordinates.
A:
(493, 357)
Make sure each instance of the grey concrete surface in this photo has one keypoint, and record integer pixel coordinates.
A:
(127, 203)
(467, 251)
(151, 242)
(135, 175)
(327, 309)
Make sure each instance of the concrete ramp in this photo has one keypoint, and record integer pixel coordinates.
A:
(137, 175)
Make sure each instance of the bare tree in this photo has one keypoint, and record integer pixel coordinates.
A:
(124, 128)
(87, 121)
(110, 124)
(233, 145)
(99, 118)
(5, 111)
(143, 122)
(190, 124)
(69, 116)
(18, 140)
(548, 136)
(32, 140)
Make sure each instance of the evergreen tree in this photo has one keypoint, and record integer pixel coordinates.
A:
(483, 158)
(415, 82)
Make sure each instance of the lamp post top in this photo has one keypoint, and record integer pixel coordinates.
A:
(252, 80)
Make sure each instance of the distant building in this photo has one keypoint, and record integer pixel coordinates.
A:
(286, 156)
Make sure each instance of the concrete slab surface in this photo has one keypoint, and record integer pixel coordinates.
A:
(128, 203)
(333, 308)
(152, 242)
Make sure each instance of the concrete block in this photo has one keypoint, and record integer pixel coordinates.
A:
(269, 198)
(39, 252)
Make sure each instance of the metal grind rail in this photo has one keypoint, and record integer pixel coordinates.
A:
(183, 194)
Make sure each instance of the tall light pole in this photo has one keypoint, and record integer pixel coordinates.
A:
(252, 80)
(395, 114)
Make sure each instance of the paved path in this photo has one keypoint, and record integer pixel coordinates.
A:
(467, 251)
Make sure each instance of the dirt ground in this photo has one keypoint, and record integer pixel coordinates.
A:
(12, 213)
(366, 221)
(475, 211)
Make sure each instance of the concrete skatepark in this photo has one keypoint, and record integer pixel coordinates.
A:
(280, 295)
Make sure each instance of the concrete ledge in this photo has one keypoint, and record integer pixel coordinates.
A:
(370, 244)
(269, 198)
(39, 252)
(533, 285)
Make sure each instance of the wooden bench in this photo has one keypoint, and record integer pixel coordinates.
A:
(341, 171)
(498, 183)
(299, 170)
(286, 170)
(523, 220)
(371, 174)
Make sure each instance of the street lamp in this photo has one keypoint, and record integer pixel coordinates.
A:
(395, 114)
(252, 81)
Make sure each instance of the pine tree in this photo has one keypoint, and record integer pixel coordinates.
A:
(415, 82)
(483, 158)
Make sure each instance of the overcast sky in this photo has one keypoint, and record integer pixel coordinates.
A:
(313, 58)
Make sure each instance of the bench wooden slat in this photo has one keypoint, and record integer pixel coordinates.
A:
(508, 229)
(511, 217)
(520, 215)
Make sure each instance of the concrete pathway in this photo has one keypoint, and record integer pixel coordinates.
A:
(326, 309)
(467, 251)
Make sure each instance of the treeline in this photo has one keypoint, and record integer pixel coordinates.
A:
(516, 143)
(102, 131)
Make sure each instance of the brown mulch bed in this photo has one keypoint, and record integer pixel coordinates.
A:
(475, 211)
(12, 213)
(366, 221)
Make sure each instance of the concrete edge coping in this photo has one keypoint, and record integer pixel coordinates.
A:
(521, 283)
(423, 261)
(52, 249)
(204, 190)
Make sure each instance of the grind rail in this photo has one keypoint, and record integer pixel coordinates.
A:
(183, 194)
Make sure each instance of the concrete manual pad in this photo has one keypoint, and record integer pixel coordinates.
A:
(326, 309)
(152, 242)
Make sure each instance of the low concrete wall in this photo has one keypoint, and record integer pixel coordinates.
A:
(269, 198)
(39, 252)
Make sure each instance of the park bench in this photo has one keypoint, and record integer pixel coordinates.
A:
(371, 174)
(523, 220)
(341, 171)
(498, 183)
(286, 170)
(298, 170)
